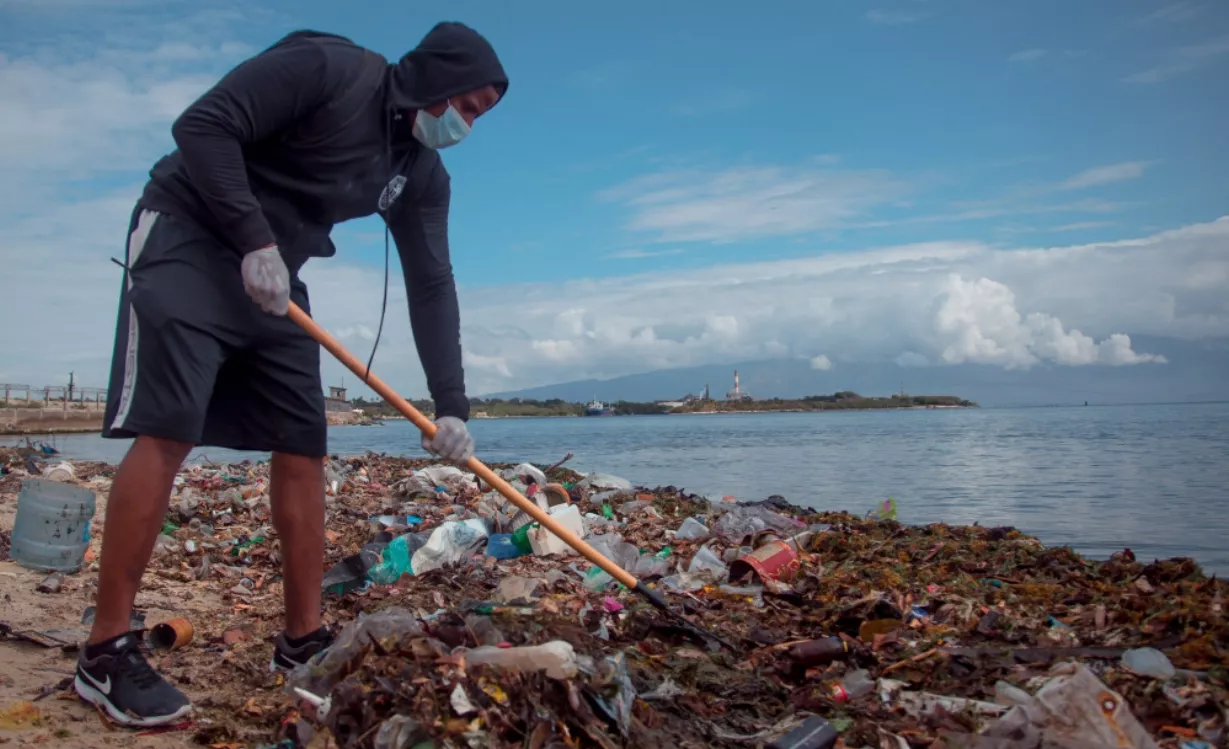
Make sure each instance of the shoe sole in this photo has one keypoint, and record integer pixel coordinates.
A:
(98, 699)
(277, 668)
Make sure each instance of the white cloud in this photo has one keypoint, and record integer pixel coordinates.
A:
(1182, 60)
(641, 254)
(893, 17)
(1104, 175)
(1184, 10)
(821, 363)
(71, 120)
(1028, 55)
(750, 202)
(977, 322)
(932, 304)
(1082, 226)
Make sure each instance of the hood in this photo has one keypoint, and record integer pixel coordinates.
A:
(450, 60)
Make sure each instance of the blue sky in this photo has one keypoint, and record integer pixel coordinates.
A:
(650, 140)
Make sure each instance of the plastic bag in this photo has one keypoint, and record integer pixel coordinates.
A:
(395, 561)
(527, 473)
(320, 674)
(743, 521)
(449, 544)
(1073, 710)
(605, 481)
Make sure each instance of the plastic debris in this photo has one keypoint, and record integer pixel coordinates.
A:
(898, 636)
(1148, 662)
(692, 530)
(557, 658)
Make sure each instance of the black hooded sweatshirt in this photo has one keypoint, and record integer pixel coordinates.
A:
(316, 130)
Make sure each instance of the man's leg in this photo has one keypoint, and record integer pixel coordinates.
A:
(135, 512)
(297, 495)
(172, 336)
(270, 398)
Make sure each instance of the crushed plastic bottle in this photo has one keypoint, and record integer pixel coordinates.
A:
(557, 658)
(691, 530)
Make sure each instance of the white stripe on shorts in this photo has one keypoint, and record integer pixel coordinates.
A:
(136, 243)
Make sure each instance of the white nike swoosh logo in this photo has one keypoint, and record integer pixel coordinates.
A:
(103, 686)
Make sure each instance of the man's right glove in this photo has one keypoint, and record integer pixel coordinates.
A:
(452, 440)
(267, 280)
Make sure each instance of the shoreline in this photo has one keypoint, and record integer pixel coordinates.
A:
(995, 602)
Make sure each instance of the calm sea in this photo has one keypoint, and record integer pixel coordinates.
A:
(1153, 478)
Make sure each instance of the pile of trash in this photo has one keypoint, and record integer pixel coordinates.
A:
(462, 624)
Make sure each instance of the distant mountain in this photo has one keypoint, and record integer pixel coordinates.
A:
(1196, 371)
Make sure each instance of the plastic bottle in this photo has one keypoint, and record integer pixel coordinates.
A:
(557, 658)
(853, 686)
(818, 652)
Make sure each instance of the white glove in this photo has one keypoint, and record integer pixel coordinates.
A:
(266, 280)
(451, 442)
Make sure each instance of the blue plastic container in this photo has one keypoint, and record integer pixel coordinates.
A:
(501, 546)
(52, 529)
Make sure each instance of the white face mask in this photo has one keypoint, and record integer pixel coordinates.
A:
(440, 132)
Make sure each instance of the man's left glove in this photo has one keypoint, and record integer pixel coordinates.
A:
(451, 442)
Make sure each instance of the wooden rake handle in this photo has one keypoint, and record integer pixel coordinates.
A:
(479, 469)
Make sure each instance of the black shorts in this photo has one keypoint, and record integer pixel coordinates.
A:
(197, 361)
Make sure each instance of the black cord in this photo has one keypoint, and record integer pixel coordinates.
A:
(388, 164)
(383, 308)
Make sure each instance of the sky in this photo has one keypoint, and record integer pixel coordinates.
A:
(929, 182)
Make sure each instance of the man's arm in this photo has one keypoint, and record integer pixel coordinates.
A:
(419, 225)
(255, 100)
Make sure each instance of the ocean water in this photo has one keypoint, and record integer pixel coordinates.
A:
(1154, 478)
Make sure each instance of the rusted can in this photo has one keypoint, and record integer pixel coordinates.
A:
(172, 634)
(775, 560)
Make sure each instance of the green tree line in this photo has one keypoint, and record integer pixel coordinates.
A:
(511, 407)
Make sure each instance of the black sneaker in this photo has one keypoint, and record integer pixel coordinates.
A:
(120, 681)
(287, 656)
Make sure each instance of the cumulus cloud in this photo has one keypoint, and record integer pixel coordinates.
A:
(71, 120)
(976, 321)
(934, 304)
(821, 363)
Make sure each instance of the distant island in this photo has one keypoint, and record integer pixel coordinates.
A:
(846, 400)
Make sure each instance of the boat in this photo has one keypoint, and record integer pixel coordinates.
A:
(596, 408)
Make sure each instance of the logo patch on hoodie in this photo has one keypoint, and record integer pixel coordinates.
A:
(392, 191)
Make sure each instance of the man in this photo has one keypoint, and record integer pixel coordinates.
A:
(311, 132)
